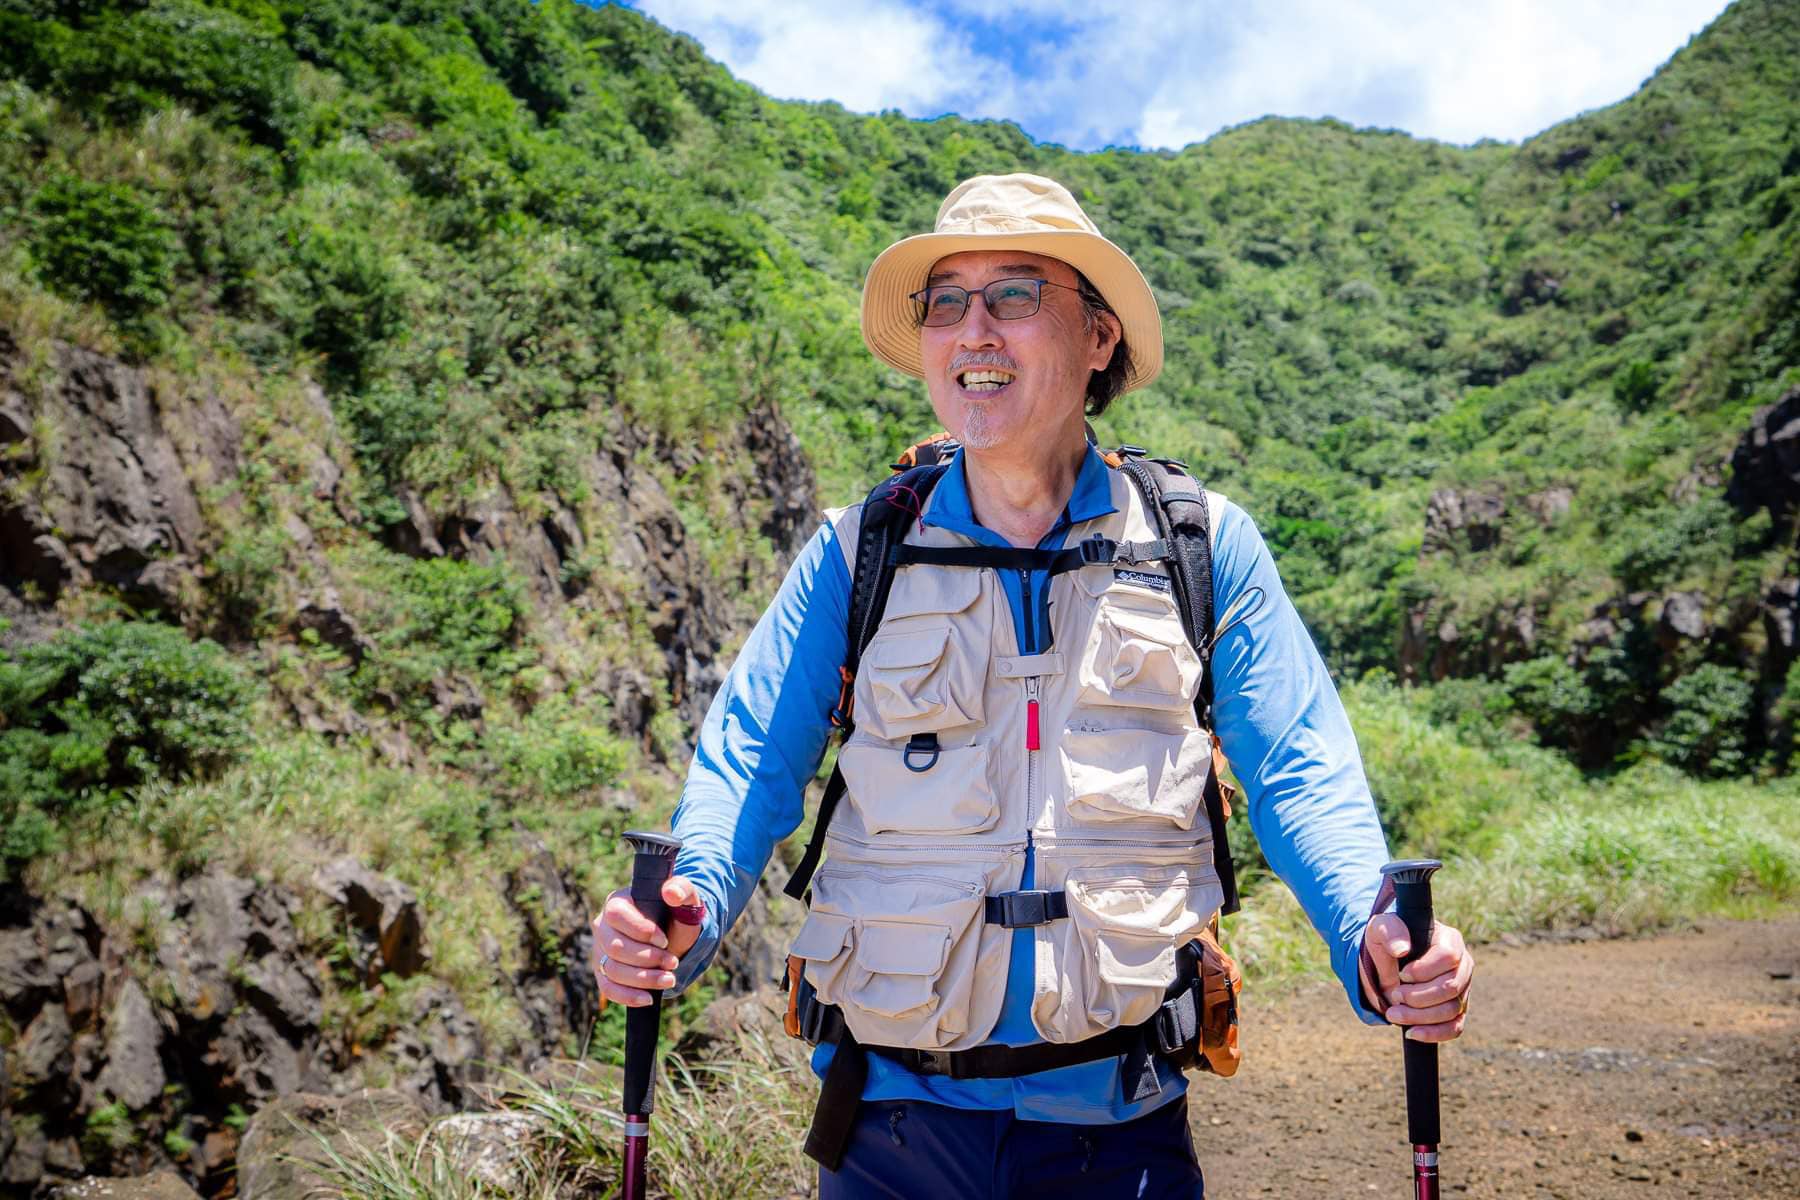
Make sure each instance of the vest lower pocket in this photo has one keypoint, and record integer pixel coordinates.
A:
(897, 964)
(1133, 774)
(901, 954)
(1115, 956)
(892, 794)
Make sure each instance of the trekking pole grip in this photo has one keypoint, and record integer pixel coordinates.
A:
(1412, 903)
(652, 863)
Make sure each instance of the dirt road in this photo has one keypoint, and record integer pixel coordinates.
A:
(1659, 1066)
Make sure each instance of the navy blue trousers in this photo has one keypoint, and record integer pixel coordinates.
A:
(912, 1150)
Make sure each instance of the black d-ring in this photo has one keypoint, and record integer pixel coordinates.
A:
(921, 743)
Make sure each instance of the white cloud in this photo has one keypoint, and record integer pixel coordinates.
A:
(1457, 72)
(1092, 72)
(866, 56)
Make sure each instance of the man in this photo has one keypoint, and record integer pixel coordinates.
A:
(1023, 731)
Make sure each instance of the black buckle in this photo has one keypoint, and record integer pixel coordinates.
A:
(1015, 910)
(934, 1062)
(812, 1012)
(1096, 549)
(1176, 1025)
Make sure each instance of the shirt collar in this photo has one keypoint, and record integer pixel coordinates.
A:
(1091, 498)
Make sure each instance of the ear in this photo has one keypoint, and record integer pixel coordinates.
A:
(1107, 332)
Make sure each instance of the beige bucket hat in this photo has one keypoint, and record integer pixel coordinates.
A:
(1008, 212)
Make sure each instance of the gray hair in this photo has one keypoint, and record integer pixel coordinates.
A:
(1104, 385)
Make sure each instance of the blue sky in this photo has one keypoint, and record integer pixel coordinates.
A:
(1091, 73)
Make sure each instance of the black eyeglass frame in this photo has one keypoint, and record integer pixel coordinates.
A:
(919, 298)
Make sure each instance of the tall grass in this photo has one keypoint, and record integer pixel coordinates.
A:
(1530, 845)
(1649, 848)
(724, 1130)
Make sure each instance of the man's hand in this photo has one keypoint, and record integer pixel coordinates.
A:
(1430, 995)
(630, 954)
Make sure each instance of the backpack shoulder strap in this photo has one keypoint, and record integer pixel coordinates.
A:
(1178, 508)
(1177, 505)
(891, 506)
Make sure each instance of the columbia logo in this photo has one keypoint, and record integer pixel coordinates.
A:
(1143, 579)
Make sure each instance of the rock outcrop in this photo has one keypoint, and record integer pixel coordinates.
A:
(133, 1056)
(1458, 521)
(1765, 467)
(117, 501)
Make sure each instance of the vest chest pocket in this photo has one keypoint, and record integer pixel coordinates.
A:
(923, 670)
(1129, 774)
(1138, 658)
(898, 791)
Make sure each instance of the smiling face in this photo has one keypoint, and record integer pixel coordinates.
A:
(1013, 386)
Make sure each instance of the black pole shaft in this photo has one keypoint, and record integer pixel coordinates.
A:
(1412, 903)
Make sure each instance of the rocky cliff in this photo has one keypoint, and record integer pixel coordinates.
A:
(146, 1032)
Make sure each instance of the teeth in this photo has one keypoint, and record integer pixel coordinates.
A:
(986, 381)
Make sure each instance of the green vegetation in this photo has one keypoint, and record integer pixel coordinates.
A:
(1480, 400)
(98, 241)
(1530, 845)
(88, 716)
(490, 226)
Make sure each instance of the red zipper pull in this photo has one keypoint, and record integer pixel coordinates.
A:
(1031, 725)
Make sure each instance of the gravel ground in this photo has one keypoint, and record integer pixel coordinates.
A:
(1666, 1065)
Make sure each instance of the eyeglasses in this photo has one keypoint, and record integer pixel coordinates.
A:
(1006, 300)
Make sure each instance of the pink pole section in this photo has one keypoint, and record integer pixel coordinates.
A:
(1425, 1176)
(637, 1150)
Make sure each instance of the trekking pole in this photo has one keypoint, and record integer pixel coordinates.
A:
(1412, 901)
(652, 863)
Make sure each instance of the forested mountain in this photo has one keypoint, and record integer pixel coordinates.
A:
(1481, 400)
(404, 407)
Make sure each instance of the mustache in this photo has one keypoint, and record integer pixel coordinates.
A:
(983, 358)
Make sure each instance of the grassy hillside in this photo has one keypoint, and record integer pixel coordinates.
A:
(404, 409)
(486, 322)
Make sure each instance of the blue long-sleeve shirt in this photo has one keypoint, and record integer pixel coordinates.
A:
(1277, 715)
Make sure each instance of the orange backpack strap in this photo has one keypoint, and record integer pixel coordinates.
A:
(933, 450)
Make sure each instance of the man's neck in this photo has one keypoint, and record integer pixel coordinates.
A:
(1022, 498)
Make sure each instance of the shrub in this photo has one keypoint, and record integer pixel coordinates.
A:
(103, 709)
(1658, 547)
(103, 242)
(234, 66)
(559, 751)
(1635, 386)
(433, 619)
(1709, 711)
(345, 300)
(1786, 716)
(1477, 709)
(1589, 709)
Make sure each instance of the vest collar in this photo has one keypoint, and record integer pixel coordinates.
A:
(950, 508)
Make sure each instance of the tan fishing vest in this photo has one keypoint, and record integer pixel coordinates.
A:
(1110, 800)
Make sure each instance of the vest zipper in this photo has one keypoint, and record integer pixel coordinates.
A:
(1033, 686)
